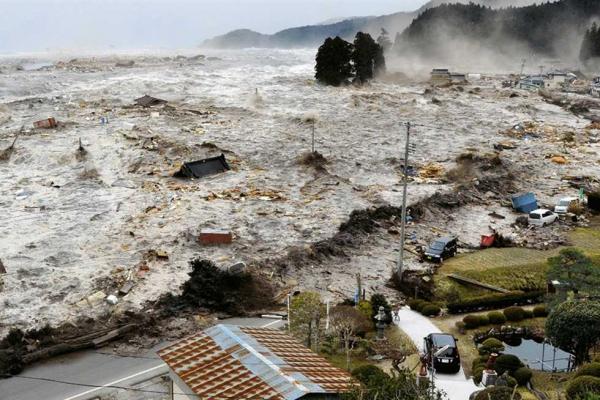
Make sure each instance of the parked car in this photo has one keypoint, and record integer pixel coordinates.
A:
(441, 249)
(541, 217)
(563, 205)
(441, 349)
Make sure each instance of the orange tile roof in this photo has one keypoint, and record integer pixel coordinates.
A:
(229, 362)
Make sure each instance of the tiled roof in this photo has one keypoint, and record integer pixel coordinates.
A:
(230, 362)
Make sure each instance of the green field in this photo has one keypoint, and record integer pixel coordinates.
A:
(510, 268)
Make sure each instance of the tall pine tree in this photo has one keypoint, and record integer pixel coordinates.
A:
(333, 65)
(367, 57)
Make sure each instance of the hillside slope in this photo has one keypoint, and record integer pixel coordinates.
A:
(314, 35)
(457, 31)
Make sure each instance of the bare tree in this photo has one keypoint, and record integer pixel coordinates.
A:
(347, 321)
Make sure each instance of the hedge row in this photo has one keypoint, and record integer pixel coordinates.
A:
(499, 300)
(424, 307)
(513, 314)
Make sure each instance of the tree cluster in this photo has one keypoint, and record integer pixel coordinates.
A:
(590, 46)
(339, 61)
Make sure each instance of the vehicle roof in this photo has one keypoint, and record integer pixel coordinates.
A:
(539, 211)
(445, 239)
(442, 339)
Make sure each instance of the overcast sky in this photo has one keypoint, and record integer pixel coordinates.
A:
(38, 25)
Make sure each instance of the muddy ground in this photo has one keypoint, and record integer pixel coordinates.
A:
(76, 223)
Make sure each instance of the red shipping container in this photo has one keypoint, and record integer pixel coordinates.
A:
(214, 236)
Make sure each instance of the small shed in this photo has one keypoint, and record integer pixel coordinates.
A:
(525, 202)
(205, 167)
(149, 101)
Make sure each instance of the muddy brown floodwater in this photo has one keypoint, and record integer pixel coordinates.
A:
(74, 223)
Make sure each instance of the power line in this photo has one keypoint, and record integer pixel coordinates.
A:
(95, 386)
(132, 389)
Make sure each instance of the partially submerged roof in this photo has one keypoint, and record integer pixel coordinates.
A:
(230, 362)
(149, 101)
(205, 167)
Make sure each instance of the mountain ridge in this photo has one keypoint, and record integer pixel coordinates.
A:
(314, 35)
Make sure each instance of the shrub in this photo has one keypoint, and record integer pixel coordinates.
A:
(514, 313)
(498, 393)
(511, 382)
(471, 321)
(416, 304)
(364, 306)
(527, 314)
(478, 373)
(490, 345)
(496, 318)
(594, 200)
(495, 301)
(430, 310)
(591, 369)
(460, 326)
(507, 362)
(576, 208)
(483, 320)
(581, 386)
(369, 374)
(540, 311)
(523, 375)
(479, 361)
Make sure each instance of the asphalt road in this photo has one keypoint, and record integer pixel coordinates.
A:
(92, 368)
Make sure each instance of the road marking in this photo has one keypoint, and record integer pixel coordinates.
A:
(113, 383)
(271, 323)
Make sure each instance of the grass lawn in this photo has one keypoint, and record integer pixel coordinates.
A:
(510, 268)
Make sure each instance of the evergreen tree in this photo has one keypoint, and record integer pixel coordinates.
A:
(590, 47)
(367, 57)
(384, 40)
(333, 65)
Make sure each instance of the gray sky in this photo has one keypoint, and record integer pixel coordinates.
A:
(38, 25)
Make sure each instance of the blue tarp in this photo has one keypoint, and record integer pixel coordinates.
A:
(525, 203)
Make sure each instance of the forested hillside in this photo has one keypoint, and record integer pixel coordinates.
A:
(551, 29)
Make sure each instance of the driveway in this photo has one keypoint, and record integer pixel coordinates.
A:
(416, 326)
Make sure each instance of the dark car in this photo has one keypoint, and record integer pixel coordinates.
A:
(446, 360)
(441, 249)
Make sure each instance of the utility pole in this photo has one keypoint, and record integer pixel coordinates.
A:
(399, 270)
(313, 136)
(289, 320)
